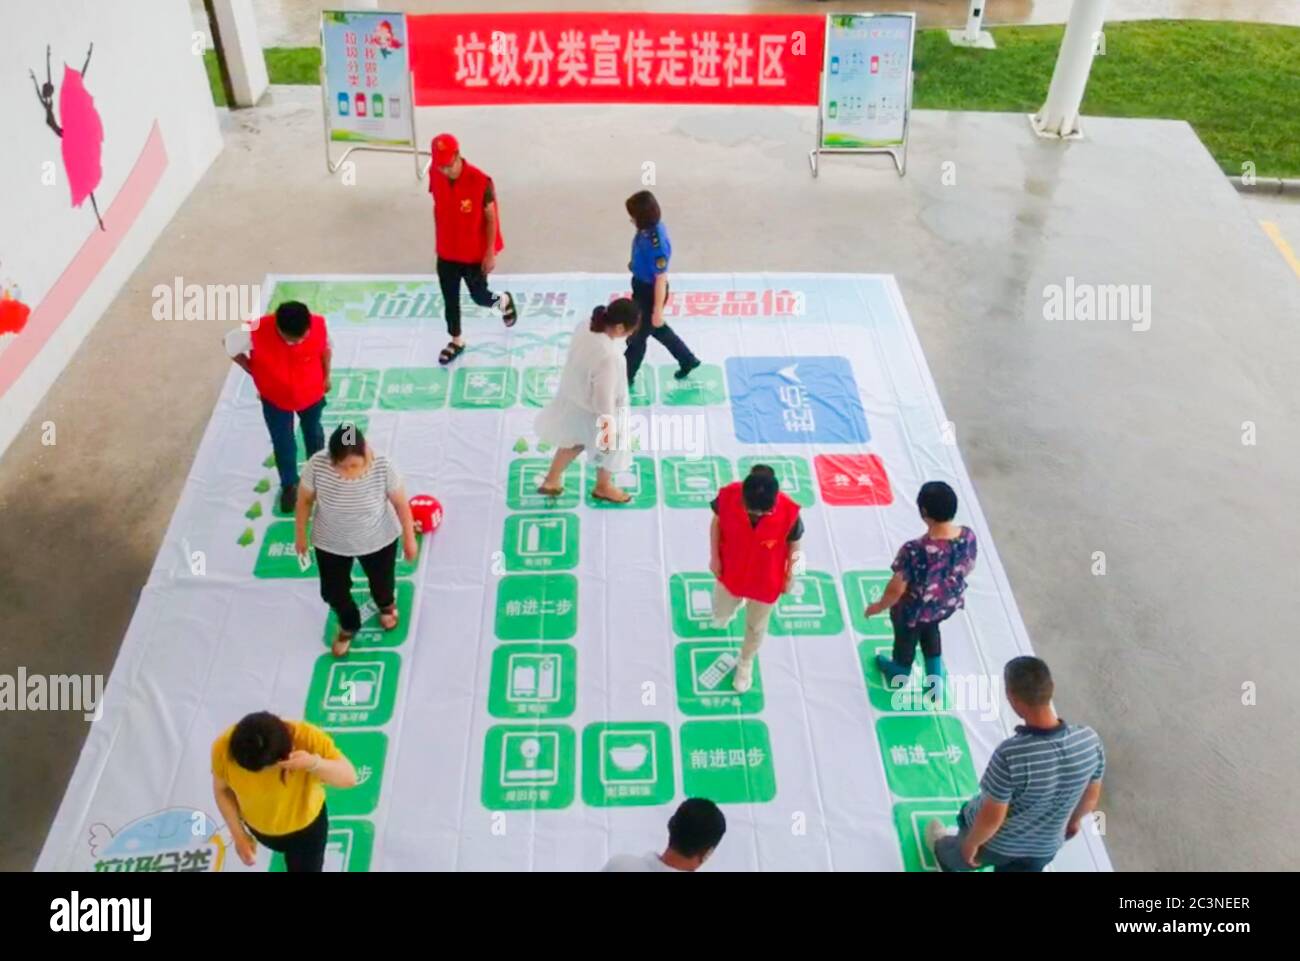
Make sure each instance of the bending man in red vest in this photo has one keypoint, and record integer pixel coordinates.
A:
(755, 542)
(468, 233)
(288, 356)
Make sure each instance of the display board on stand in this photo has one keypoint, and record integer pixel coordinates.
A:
(866, 88)
(365, 79)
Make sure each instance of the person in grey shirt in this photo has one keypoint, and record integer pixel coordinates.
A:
(694, 831)
(358, 511)
(1038, 787)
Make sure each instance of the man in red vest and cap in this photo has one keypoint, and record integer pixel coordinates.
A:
(755, 544)
(468, 230)
(288, 356)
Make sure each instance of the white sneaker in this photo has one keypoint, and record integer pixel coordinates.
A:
(744, 678)
(934, 830)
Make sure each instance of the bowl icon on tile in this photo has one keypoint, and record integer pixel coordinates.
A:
(630, 757)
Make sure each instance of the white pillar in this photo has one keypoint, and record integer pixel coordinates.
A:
(973, 35)
(237, 25)
(1059, 116)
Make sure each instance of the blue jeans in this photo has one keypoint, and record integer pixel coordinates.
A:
(948, 853)
(280, 425)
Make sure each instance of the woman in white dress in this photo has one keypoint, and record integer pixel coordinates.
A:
(593, 392)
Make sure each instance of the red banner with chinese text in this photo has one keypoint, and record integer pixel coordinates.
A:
(593, 57)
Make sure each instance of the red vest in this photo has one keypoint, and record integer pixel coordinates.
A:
(458, 214)
(290, 378)
(754, 558)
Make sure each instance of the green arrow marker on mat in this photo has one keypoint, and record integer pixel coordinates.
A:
(543, 447)
(262, 487)
(254, 512)
(246, 538)
(269, 462)
(521, 446)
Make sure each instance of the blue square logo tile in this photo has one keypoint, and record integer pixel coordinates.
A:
(795, 400)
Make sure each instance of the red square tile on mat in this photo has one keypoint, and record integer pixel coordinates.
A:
(853, 480)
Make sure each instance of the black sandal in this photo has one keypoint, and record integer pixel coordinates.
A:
(511, 313)
(450, 352)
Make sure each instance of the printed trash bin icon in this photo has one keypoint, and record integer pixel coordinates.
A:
(354, 686)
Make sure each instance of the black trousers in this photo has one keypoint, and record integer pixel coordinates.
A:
(450, 274)
(336, 582)
(304, 851)
(644, 295)
(906, 638)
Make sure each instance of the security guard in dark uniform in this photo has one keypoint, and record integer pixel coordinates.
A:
(651, 251)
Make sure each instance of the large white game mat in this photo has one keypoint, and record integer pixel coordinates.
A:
(556, 686)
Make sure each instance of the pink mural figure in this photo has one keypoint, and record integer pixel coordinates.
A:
(82, 131)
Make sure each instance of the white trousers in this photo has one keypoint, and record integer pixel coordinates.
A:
(757, 614)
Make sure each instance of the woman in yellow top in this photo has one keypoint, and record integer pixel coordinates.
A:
(268, 776)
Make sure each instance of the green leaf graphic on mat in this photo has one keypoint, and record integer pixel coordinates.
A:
(269, 462)
(521, 446)
(247, 537)
(254, 512)
(522, 343)
(542, 447)
(262, 487)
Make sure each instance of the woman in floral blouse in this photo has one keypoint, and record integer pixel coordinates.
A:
(929, 580)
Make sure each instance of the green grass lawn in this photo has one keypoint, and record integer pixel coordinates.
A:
(1237, 84)
(300, 65)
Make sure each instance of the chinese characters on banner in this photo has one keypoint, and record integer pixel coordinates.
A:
(615, 58)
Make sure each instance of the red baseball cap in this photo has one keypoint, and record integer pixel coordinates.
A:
(445, 149)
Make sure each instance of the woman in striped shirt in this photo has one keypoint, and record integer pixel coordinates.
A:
(361, 511)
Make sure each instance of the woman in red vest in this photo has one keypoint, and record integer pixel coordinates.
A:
(754, 543)
(288, 357)
(468, 231)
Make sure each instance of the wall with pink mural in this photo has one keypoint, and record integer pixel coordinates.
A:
(108, 125)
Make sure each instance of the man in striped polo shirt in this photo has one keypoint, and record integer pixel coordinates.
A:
(1038, 787)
